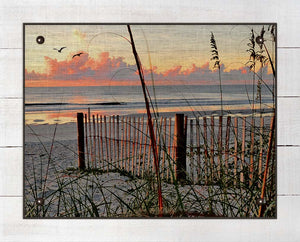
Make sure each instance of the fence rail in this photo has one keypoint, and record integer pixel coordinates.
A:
(202, 150)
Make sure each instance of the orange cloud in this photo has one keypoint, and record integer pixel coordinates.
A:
(84, 70)
(173, 71)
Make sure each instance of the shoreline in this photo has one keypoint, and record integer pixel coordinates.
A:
(68, 130)
(64, 117)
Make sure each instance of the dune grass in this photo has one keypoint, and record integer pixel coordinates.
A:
(116, 193)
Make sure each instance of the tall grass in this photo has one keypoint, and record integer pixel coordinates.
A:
(257, 54)
(150, 124)
(97, 192)
(216, 59)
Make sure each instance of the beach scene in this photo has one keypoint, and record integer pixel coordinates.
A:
(149, 121)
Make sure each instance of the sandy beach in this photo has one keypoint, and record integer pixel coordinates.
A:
(113, 194)
(45, 132)
(51, 161)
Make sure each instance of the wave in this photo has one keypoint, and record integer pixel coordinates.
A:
(77, 104)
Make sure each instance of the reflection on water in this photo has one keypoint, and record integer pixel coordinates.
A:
(61, 104)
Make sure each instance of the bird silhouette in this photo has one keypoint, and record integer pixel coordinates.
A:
(77, 54)
(59, 50)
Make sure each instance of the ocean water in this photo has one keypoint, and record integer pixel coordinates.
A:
(61, 104)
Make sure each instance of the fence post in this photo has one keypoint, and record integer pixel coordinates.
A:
(80, 132)
(180, 155)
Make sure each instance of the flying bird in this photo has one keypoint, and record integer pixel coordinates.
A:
(77, 54)
(59, 50)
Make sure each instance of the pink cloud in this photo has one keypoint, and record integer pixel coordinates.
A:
(175, 71)
(105, 67)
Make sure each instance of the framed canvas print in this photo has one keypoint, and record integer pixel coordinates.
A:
(150, 120)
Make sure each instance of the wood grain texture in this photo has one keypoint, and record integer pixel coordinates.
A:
(11, 78)
(14, 228)
(11, 122)
(288, 120)
(11, 180)
(14, 13)
(288, 170)
(288, 76)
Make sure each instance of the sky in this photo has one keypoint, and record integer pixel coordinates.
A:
(170, 54)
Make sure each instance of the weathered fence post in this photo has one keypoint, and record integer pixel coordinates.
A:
(80, 132)
(180, 155)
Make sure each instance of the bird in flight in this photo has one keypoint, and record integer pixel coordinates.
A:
(77, 55)
(59, 50)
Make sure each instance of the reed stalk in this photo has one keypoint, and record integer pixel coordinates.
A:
(215, 57)
(270, 148)
(150, 124)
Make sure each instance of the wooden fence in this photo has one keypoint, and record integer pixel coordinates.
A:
(205, 149)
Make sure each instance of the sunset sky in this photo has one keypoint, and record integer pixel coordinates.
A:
(178, 54)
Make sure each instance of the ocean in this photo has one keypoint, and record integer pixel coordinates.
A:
(49, 105)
